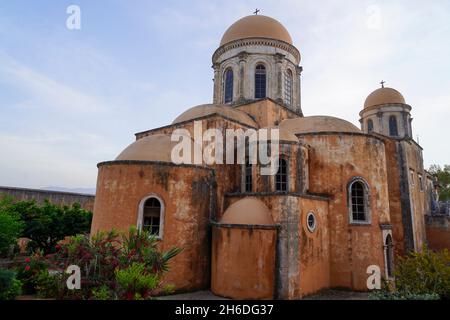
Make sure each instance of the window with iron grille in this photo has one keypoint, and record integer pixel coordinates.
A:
(228, 82)
(288, 87)
(281, 178)
(152, 216)
(358, 202)
(260, 82)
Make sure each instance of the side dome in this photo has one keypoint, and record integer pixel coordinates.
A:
(250, 211)
(256, 26)
(318, 124)
(220, 109)
(156, 147)
(384, 96)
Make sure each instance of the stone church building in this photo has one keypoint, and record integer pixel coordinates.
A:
(344, 197)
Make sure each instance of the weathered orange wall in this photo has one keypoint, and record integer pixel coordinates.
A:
(122, 185)
(438, 232)
(335, 159)
(314, 248)
(243, 262)
(303, 256)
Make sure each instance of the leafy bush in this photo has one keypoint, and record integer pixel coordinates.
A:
(10, 226)
(419, 276)
(425, 272)
(102, 293)
(10, 287)
(49, 285)
(135, 282)
(29, 273)
(114, 266)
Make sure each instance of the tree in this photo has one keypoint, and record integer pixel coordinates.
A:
(443, 176)
(48, 224)
(10, 226)
(45, 224)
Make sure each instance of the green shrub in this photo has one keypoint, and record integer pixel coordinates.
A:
(10, 226)
(418, 276)
(29, 273)
(49, 285)
(128, 266)
(425, 272)
(10, 287)
(135, 282)
(101, 293)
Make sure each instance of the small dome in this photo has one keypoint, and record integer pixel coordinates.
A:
(318, 124)
(156, 147)
(256, 26)
(384, 96)
(248, 211)
(221, 109)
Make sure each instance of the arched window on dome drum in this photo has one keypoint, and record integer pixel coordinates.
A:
(389, 251)
(369, 126)
(393, 128)
(281, 178)
(260, 81)
(151, 220)
(359, 199)
(228, 86)
(288, 87)
(248, 176)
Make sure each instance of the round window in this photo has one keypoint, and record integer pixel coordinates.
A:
(311, 221)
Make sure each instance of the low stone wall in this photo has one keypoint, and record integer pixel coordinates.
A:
(438, 231)
(56, 197)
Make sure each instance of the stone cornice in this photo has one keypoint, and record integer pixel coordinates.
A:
(151, 163)
(380, 106)
(256, 42)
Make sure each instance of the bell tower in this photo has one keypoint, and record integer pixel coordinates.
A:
(255, 60)
(386, 112)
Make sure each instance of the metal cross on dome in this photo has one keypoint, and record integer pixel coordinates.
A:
(256, 11)
(382, 83)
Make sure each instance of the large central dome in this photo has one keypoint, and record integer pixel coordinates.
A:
(256, 26)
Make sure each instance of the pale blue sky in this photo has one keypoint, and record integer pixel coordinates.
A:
(71, 99)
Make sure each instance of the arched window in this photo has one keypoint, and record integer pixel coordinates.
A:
(288, 87)
(248, 176)
(393, 128)
(389, 247)
(151, 216)
(369, 126)
(228, 86)
(260, 81)
(359, 202)
(281, 178)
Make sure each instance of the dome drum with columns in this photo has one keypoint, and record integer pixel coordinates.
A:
(386, 112)
(257, 45)
(342, 199)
